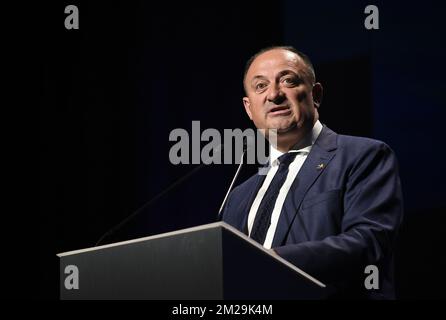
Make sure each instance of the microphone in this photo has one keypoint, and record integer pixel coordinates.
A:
(175, 184)
(247, 142)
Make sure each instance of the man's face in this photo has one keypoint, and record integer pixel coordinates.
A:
(281, 95)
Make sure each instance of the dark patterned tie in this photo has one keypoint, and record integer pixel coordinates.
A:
(263, 217)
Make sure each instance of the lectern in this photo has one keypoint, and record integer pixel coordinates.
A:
(208, 262)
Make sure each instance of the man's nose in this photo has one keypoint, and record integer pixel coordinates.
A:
(275, 94)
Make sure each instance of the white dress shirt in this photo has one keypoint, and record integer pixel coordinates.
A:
(293, 170)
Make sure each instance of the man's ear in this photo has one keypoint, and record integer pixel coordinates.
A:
(317, 94)
(247, 105)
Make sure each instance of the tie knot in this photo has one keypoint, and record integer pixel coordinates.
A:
(286, 158)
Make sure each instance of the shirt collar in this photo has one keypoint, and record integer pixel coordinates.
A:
(303, 146)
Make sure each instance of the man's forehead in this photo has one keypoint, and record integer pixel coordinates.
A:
(276, 58)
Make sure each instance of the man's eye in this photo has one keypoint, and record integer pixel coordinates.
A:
(260, 86)
(289, 81)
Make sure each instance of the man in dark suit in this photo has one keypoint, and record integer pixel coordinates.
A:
(330, 204)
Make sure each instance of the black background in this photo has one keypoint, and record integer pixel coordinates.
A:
(111, 92)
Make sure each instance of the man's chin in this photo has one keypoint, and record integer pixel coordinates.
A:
(282, 130)
(286, 129)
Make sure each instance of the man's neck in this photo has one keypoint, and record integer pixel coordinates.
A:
(295, 140)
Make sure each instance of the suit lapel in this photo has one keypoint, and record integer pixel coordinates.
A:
(317, 160)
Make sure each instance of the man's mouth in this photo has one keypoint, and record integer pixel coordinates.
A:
(279, 111)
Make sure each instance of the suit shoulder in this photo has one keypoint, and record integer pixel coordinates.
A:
(361, 143)
(361, 150)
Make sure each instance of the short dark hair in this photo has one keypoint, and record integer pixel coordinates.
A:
(302, 55)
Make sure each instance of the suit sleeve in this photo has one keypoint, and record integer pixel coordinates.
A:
(372, 203)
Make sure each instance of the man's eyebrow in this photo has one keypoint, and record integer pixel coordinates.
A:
(258, 77)
(287, 72)
(279, 75)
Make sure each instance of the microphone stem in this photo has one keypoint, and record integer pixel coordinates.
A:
(230, 187)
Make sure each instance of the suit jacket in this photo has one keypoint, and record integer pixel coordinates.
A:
(341, 214)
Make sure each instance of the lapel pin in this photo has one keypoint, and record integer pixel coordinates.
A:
(320, 166)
